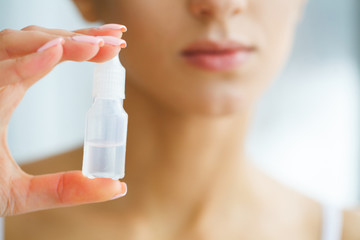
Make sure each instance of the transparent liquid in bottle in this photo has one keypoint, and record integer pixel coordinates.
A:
(104, 160)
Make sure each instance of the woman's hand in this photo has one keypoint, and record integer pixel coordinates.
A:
(25, 57)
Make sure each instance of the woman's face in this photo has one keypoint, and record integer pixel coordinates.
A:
(210, 57)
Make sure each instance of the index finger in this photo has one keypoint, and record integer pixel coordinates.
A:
(115, 30)
(34, 193)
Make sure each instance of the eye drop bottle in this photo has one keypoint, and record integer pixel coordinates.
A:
(106, 124)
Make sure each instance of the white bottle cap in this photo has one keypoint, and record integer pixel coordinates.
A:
(109, 80)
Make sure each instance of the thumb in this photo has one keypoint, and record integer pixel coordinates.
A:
(61, 190)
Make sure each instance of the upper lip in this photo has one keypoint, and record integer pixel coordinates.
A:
(208, 46)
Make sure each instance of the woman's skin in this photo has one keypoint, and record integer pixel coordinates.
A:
(186, 169)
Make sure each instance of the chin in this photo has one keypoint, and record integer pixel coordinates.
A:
(221, 110)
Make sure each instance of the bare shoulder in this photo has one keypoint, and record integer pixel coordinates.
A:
(351, 230)
(62, 162)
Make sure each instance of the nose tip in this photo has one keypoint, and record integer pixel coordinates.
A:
(217, 8)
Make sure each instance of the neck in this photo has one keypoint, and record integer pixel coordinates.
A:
(175, 159)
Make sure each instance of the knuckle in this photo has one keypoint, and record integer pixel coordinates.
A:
(6, 31)
(30, 28)
(60, 189)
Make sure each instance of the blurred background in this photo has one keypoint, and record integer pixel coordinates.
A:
(306, 130)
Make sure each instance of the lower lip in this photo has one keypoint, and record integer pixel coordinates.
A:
(218, 61)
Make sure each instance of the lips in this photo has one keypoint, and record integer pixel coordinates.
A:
(217, 56)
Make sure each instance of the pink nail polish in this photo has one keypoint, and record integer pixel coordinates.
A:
(113, 41)
(113, 26)
(123, 191)
(51, 43)
(89, 39)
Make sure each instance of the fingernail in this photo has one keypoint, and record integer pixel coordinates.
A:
(51, 43)
(89, 39)
(122, 193)
(113, 26)
(114, 41)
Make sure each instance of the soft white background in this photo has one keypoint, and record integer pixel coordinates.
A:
(305, 131)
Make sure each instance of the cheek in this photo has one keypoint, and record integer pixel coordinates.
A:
(275, 21)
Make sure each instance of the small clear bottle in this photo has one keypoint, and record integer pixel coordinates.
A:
(106, 124)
